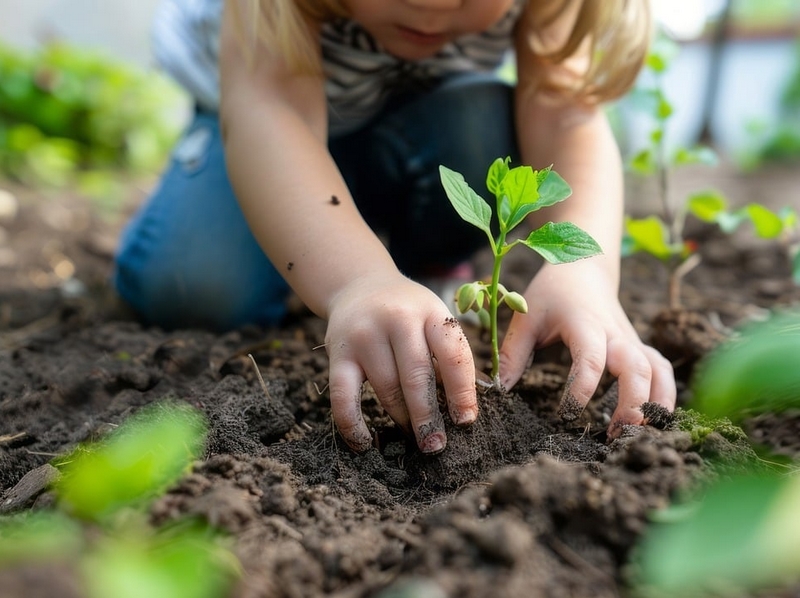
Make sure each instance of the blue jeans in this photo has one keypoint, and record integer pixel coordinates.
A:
(188, 258)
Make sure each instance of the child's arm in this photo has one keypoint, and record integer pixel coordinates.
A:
(382, 327)
(578, 303)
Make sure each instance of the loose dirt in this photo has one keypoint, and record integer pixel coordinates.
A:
(521, 504)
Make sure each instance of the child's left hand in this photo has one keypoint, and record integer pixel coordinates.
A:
(577, 304)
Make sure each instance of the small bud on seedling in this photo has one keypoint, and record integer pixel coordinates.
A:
(516, 302)
(465, 296)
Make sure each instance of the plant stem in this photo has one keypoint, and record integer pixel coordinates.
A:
(494, 303)
(676, 278)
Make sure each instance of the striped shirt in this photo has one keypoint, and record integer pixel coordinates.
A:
(360, 76)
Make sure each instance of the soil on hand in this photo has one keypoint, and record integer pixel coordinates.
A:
(523, 503)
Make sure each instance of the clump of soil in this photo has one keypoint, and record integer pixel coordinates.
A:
(522, 503)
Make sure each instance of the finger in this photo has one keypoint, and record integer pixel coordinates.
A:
(380, 369)
(456, 368)
(346, 379)
(629, 364)
(662, 386)
(418, 381)
(588, 364)
(516, 351)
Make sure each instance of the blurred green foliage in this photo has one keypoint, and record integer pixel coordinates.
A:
(760, 14)
(100, 524)
(739, 533)
(140, 460)
(67, 115)
(782, 143)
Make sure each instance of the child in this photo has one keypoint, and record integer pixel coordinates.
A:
(334, 116)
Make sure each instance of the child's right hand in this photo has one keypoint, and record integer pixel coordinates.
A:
(397, 334)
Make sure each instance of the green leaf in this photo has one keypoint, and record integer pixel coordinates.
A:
(767, 224)
(520, 186)
(38, 535)
(497, 172)
(140, 459)
(519, 195)
(696, 155)
(552, 189)
(643, 163)
(753, 372)
(707, 205)
(743, 535)
(562, 242)
(664, 108)
(657, 135)
(186, 563)
(656, 63)
(649, 235)
(469, 205)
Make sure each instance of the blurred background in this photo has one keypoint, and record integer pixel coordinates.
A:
(79, 91)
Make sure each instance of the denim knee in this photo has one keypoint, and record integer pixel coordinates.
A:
(180, 294)
(188, 258)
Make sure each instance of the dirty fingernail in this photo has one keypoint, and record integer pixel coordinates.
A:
(464, 418)
(570, 408)
(434, 443)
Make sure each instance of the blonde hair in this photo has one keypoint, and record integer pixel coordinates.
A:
(591, 50)
(594, 57)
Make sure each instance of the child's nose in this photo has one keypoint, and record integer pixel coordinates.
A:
(436, 4)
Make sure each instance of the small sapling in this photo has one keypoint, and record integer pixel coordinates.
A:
(518, 192)
(663, 236)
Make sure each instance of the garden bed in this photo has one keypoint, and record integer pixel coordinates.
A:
(520, 504)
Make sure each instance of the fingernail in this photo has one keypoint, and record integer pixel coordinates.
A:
(435, 443)
(464, 418)
(570, 408)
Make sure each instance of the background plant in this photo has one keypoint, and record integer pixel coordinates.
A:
(741, 532)
(518, 192)
(69, 115)
(663, 236)
(100, 520)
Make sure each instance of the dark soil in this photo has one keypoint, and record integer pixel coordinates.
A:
(520, 504)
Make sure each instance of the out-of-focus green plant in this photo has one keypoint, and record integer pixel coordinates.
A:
(137, 462)
(741, 533)
(779, 142)
(65, 111)
(101, 527)
(663, 236)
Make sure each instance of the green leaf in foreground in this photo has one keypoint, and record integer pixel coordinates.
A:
(744, 533)
(187, 564)
(40, 535)
(754, 372)
(140, 459)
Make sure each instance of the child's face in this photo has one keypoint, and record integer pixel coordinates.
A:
(416, 29)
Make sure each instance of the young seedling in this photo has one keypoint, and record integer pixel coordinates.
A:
(518, 192)
(663, 236)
